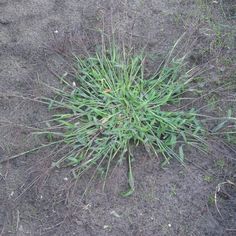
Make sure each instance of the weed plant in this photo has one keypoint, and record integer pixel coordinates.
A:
(112, 105)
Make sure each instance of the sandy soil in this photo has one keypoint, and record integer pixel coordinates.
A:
(169, 201)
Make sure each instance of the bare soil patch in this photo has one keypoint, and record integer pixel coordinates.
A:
(168, 201)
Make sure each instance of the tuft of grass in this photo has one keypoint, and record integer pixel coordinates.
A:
(220, 164)
(208, 178)
(211, 200)
(112, 105)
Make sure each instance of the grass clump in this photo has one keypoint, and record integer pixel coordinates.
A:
(112, 105)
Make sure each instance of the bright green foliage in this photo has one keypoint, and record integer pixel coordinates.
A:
(111, 106)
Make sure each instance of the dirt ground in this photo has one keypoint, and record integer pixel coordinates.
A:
(173, 200)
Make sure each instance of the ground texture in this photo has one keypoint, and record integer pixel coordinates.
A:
(168, 201)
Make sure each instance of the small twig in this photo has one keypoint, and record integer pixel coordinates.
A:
(34, 99)
(3, 228)
(218, 188)
(18, 220)
(54, 226)
(30, 151)
(26, 189)
(222, 8)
